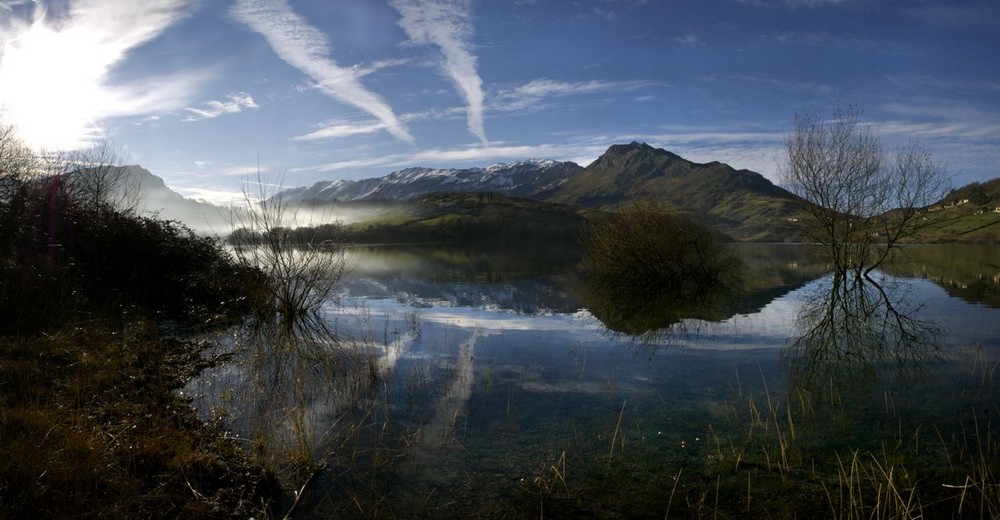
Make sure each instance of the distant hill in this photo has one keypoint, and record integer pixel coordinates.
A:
(970, 214)
(741, 203)
(469, 217)
(156, 198)
(536, 179)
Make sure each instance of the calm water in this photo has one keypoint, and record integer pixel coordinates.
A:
(494, 385)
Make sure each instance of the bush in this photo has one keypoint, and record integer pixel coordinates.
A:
(65, 261)
(647, 251)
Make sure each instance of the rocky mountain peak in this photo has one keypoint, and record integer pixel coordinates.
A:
(625, 155)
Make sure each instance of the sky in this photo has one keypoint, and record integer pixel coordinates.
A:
(206, 93)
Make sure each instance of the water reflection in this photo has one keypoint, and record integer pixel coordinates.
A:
(761, 274)
(447, 393)
(854, 329)
(296, 391)
(652, 317)
(969, 272)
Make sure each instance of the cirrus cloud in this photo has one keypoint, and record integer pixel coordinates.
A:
(306, 48)
(448, 25)
(234, 104)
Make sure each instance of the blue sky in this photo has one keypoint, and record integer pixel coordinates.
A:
(198, 90)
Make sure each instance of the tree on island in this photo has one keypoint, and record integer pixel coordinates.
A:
(861, 200)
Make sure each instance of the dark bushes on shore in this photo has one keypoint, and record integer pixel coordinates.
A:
(95, 302)
(63, 261)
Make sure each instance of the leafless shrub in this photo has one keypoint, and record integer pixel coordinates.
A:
(303, 274)
(17, 162)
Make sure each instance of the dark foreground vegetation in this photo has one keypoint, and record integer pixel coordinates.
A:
(98, 311)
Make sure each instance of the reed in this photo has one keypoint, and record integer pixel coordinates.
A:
(776, 447)
(614, 438)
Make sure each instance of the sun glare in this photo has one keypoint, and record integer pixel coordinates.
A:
(50, 82)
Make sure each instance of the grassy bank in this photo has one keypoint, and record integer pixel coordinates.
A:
(91, 426)
(98, 311)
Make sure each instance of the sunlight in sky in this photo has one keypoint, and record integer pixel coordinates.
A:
(50, 83)
(54, 70)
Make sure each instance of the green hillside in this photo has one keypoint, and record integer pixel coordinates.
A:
(470, 217)
(970, 214)
(740, 203)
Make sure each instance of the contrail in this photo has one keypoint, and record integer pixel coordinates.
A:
(307, 49)
(448, 25)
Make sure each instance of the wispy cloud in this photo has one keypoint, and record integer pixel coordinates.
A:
(361, 71)
(923, 81)
(972, 14)
(610, 10)
(234, 104)
(690, 40)
(352, 164)
(54, 67)
(966, 138)
(244, 170)
(340, 130)
(307, 49)
(448, 25)
(532, 93)
(9, 5)
(606, 13)
(581, 152)
(485, 153)
(778, 84)
(942, 121)
(839, 41)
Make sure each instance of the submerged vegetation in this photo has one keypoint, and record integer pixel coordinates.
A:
(301, 265)
(860, 200)
(647, 248)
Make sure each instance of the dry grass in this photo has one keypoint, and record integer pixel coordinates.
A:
(90, 426)
(780, 448)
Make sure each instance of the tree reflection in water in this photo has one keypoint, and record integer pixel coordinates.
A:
(858, 329)
(658, 318)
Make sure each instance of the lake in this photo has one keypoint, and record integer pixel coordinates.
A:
(494, 384)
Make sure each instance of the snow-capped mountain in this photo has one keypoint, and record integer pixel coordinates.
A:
(528, 179)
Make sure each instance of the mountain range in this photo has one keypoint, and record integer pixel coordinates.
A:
(741, 203)
(531, 179)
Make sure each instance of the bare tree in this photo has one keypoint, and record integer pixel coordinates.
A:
(861, 200)
(95, 177)
(17, 162)
(303, 273)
